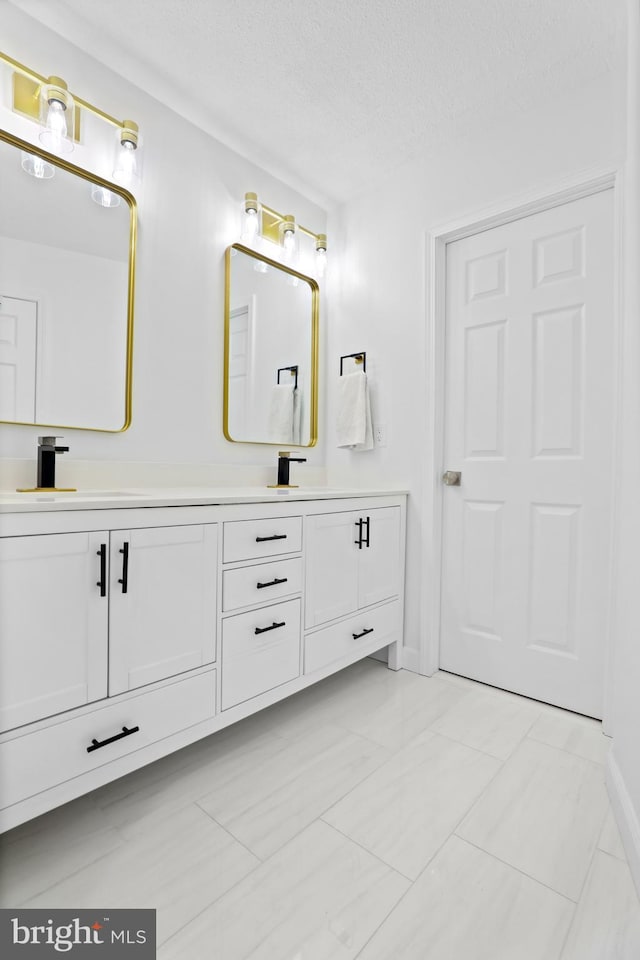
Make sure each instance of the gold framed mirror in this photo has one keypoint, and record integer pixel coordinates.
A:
(67, 269)
(270, 351)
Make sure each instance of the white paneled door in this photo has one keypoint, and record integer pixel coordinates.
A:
(529, 425)
(18, 328)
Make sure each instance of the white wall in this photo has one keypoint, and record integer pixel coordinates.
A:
(379, 290)
(624, 761)
(189, 211)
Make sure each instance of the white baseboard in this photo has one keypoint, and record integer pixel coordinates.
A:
(626, 817)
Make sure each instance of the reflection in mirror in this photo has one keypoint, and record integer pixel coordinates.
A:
(271, 352)
(66, 294)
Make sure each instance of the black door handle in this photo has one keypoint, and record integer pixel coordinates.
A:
(358, 524)
(356, 636)
(96, 744)
(274, 626)
(271, 583)
(276, 536)
(124, 579)
(366, 523)
(102, 582)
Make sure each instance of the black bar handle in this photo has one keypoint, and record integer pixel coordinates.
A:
(274, 626)
(366, 523)
(272, 583)
(358, 524)
(356, 636)
(276, 536)
(96, 744)
(102, 582)
(124, 579)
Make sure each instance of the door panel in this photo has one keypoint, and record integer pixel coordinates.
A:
(165, 622)
(529, 423)
(53, 625)
(18, 330)
(331, 582)
(379, 561)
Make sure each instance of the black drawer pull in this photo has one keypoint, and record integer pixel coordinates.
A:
(124, 579)
(271, 583)
(356, 636)
(274, 626)
(96, 744)
(359, 541)
(102, 582)
(366, 523)
(276, 536)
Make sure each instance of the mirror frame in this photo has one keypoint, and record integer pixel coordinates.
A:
(315, 312)
(14, 141)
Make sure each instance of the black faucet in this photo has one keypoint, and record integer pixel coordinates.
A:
(284, 459)
(47, 462)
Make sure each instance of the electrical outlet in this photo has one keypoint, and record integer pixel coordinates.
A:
(380, 434)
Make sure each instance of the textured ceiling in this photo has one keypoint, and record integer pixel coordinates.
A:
(331, 95)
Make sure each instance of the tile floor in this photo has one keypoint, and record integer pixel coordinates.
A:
(376, 815)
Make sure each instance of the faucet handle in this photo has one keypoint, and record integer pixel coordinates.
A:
(51, 442)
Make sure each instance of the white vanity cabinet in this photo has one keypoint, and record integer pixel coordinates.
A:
(127, 633)
(53, 624)
(162, 605)
(147, 596)
(260, 647)
(354, 559)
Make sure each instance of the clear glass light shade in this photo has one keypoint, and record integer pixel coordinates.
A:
(104, 197)
(250, 225)
(126, 170)
(37, 167)
(321, 262)
(56, 135)
(289, 244)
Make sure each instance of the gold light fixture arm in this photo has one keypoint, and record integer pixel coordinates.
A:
(279, 217)
(40, 80)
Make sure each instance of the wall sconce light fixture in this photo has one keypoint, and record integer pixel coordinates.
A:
(288, 236)
(48, 101)
(126, 169)
(56, 116)
(260, 221)
(321, 254)
(251, 217)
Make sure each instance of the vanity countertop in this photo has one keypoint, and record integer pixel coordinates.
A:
(13, 502)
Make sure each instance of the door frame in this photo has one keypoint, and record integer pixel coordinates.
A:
(516, 208)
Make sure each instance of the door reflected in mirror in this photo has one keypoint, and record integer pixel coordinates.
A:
(271, 352)
(66, 293)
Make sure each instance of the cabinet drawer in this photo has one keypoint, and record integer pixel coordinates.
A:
(333, 643)
(252, 539)
(253, 663)
(49, 756)
(260, 583)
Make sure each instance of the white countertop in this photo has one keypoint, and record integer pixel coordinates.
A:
(13, 502)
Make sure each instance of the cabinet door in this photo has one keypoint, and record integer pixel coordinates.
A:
(331, 582)
(53, 625)
(162, 603)
(380, 561)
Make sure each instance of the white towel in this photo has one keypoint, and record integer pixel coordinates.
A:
(354, 412)
(280, 422)
(297, 416)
